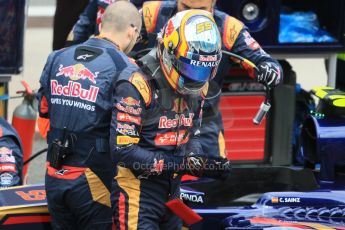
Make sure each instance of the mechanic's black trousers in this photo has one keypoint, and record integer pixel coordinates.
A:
(77, 199)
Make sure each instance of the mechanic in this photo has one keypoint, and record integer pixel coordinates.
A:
(11, 156)
(88, 22)
(66, 15)
(76, 94)
(235, 38)
(156, 119)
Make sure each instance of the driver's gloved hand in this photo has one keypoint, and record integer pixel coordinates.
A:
(203, 166)
(193, 165)
(269, 73)
(217, 168)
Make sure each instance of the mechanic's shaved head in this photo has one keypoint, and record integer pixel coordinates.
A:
(119, 16)
(121, 24)
(196, 4)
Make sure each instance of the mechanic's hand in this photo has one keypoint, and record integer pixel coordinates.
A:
(269, 73)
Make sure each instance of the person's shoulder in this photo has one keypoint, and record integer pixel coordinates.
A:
(224, 18)
(230, 27)
(158, 4)
(6, 129)
(51, 57)
(121, 60)
(141, 83)
(151, 12)
(152, 7)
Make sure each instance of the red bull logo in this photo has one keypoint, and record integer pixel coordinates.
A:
(4, 150)
(128, 109)
(130, 101)
(166, 123)
(74, 89)
(76, 72)
(7, 158)
(208, 58)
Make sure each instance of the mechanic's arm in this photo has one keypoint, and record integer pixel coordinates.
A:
(143, 31)
(125, 133)
(85, 26)
(43, 97)
(270, 71)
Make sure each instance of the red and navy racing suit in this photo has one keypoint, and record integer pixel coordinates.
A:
(152, 128)
(76, 95)
(11, 156)
(90, 19)
(235, 38)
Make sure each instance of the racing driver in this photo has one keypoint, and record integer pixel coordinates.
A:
(156, 119)
(235, 38)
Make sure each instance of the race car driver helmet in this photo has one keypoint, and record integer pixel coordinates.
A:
(189, 50)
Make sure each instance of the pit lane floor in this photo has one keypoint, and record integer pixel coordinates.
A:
(38, 43)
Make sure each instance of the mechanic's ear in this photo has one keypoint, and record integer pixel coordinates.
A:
(130, 33)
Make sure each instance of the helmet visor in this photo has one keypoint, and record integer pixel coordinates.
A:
(196, 70)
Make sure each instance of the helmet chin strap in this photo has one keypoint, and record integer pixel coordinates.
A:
(164, 93)
(188, 92)
(154, 70)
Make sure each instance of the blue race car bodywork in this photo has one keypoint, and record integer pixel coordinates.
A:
(25, 207)
(311, 196)
(322, 209)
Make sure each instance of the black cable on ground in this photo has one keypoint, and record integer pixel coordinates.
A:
(35, 155)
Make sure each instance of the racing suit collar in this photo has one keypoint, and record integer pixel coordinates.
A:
(102, 41)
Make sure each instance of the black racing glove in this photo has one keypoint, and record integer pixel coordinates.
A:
(269, 73)
(217, 168)
(201, 166)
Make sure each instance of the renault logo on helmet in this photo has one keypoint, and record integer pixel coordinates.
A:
(204, 63)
